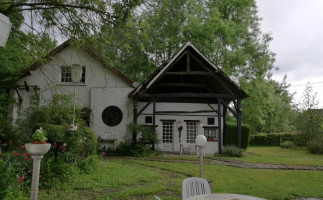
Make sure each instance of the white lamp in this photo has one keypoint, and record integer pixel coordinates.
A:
(76, 73)
(201, 141)
(5, 27)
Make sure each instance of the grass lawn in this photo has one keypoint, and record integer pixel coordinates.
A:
(139, 179)
(277, 155)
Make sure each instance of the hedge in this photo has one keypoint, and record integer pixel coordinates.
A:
(230, 135)
(270, 139)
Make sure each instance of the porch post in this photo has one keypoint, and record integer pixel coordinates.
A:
(135, 111)
(154, 120)
(220, 124)
(239, 123)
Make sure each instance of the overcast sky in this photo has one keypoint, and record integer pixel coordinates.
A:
(297, 30)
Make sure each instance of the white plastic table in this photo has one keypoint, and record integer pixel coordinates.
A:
(223, 196)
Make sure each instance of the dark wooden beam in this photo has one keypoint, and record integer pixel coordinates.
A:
(220, 125)
(147, 104)
(181, 100)
(135, 109)
(200, 63)
(189, 95)
(19, 96)
(191, 73)
(26, 86)
(206, 85)
(154, 120)
(188, 61)
(239, 123)
(229, 108)
(180, 85)
(35, 89)
(197, 111)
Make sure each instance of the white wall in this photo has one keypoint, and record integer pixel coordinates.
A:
(48, 78)
(211, 148)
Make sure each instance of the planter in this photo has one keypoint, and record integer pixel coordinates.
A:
(37, 149)
(38, 142)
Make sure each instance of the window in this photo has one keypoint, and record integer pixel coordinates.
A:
(168, 127)
(112, 115)
(211, 133)
(210, 121)
(148, 119)
(66, 76)
(191, 130)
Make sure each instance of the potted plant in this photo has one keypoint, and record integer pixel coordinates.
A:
(39, 136)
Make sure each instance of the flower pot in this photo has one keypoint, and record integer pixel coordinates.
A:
(37, 149)
(38, 142)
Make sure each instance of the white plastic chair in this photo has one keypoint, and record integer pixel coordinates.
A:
(195, 186)
(157, 198)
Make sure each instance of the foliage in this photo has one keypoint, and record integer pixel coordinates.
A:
(146, 135)
(287, 145)
(315, 145)
(230, 135)
(39, 135)
(272, 139)
(231, 151)
(72, 151)
(133, 149)
(309, 120)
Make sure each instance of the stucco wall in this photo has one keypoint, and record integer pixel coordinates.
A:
(48, 79)
(212, 146)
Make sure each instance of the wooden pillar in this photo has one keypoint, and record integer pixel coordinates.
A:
(239, 123)
(220, 124)
(135, 111)
(154, 120)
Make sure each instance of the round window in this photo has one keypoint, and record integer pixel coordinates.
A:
(112, 115)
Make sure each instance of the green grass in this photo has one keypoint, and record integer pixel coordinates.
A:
(139, 179)
(277, 155)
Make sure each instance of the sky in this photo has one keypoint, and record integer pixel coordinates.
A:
(297, 30)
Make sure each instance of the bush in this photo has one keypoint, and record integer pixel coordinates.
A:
(274, 139)
(315, 146)
(287, 145)
(230, 135)
(72, 151)
(232, 151)
(133, 149)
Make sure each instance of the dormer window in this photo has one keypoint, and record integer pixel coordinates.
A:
(66, 76)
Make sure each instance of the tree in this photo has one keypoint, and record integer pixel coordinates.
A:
(309, 121)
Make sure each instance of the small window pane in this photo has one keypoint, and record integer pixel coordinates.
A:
(191, 130)
(210, 121)
(168, 128)
(148, 119)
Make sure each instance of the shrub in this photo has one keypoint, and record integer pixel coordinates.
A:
(133, 149)
(275, 139)
(232, 151)
(287, 145)
(230, 135)
(315, 146)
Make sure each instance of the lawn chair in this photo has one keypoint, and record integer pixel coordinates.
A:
(195, 186)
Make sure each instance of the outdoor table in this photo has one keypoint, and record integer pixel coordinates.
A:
(223, 196)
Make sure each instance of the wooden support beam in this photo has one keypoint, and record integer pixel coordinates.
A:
(181, 85)
(229, 108)
(188, 61)
(147, 104)
(206, 85)
(200, 63)
(154, 120)
(26, 86)
(189, 95)
(197, 111)
(220, 125)
(239, 123)
(191, 73)
(135, 109)
(19, 96)
(35, 89)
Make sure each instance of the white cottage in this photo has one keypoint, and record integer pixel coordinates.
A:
(181, 100)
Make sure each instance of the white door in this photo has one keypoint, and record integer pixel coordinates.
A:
(168, 136)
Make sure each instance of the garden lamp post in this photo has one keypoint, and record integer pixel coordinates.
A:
(76, 72)
(201, 141)
(5, 27)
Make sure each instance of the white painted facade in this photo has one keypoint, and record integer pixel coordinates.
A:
(102, 88)
(182, 119)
